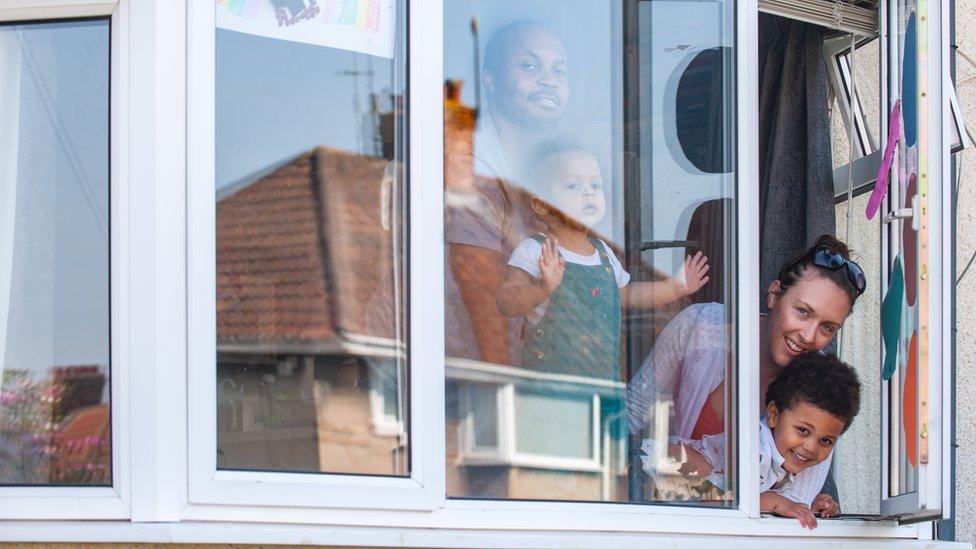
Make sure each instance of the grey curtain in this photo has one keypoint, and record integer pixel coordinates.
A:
(795, 168)
(796, 190)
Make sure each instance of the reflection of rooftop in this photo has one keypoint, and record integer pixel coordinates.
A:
(301, 250)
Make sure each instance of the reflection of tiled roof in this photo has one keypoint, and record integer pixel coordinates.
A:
(301, 250)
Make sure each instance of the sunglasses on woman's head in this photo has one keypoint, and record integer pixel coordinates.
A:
(829, 259)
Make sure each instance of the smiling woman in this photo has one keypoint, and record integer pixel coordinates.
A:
(808, 302)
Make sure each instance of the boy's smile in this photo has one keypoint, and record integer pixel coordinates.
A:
(804, 434)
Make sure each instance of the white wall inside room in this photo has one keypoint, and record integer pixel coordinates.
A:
(966, 287)
(858, 455)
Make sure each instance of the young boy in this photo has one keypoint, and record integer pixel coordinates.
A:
(567, 284)
(808, 407)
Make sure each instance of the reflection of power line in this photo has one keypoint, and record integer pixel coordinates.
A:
(66, 143)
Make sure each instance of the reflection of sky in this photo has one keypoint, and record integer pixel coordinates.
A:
(59, 302)
(277, 99)
(672, 33)
(272, 106)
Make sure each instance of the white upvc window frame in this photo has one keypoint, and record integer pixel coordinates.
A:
(164, 356)
(96, 502)
(424, 487)
(932, 498)
(354, 501)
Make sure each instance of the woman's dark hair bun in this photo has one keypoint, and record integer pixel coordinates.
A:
(831, 243)
(793, 270)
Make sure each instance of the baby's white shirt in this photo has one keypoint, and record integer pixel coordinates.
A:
(526, 257)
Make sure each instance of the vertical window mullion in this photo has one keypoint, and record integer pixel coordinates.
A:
(747, 253)
(425, 176)
(157, 49)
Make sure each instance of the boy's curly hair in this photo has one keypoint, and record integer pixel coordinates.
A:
(820, 380)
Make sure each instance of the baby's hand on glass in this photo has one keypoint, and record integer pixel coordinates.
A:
(695, 277)
(825, 505)
(799, 511)
(551, 266)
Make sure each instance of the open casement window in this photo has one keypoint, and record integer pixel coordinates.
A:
(916, 279)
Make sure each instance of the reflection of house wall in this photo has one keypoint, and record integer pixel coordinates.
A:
(301, 413)
(303, 259)
(306, 325)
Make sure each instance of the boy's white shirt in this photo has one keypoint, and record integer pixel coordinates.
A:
(802, 487)
(771, 471)
(526, 257)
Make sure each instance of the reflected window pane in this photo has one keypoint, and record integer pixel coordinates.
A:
(311, 255)
(577, 182)
(55, 420)
(567, 421)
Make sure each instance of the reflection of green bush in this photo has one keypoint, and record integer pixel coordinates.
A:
(32, 414)
(25, 428)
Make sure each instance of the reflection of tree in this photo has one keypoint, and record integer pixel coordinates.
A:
(54, 431)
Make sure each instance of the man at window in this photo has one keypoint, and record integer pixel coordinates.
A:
(526, 87)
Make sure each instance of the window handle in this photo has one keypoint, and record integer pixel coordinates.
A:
(904, 213)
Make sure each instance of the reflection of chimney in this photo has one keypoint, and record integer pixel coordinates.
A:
(459, 121)
(390, 123)
(76, 387)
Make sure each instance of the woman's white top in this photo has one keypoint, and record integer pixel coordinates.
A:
(686, 364)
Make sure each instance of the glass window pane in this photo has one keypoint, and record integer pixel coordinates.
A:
(868, 84)
(903, 301)
(484, 408)
(553, 133)
(311, 249)
(55, 419)
(565, 423)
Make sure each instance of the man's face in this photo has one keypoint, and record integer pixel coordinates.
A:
(531, 85)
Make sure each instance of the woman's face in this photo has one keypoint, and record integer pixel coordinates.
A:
(805, 317)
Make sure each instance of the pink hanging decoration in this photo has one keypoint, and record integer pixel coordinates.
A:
(881, 184)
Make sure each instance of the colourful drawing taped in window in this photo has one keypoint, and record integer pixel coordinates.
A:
(364, 26)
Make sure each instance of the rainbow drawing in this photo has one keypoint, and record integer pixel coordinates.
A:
(364, 15)
(246, 8)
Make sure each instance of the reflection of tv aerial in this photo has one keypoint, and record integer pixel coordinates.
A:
(289, 12)
(355, 73)
(477, 67)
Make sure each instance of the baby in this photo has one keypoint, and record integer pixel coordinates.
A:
(568, 284)
(808, 406)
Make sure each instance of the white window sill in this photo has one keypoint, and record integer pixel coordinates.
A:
(257, 533)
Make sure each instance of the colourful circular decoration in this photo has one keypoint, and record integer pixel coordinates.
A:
(891, 309)
(909, 403)
(909, 82)
(910, 253)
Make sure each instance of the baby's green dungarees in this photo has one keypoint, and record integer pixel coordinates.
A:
(580, 331)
